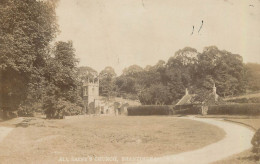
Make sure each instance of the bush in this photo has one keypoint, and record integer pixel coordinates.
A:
(256, 144)
(59, 109)
(235, 109)
(25, 112)
(27, 109)
(150, 110)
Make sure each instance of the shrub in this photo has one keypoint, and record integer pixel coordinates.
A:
(70, 109)
(28, 109)
(150, 110)
(59, 109)
(235, 109)
(25, 112)
(256, 144)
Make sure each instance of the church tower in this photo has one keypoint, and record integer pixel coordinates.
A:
(91, 93)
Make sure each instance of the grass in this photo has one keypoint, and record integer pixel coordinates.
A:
(250, 121)
(36, 140)
(246, 157)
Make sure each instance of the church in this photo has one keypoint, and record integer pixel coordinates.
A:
(91, 99)
(95, 104)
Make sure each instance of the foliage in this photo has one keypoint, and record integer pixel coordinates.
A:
(107, 82)
(165, 82)
(62, 108)
(256, 143)
(25, 112)
(253, 76)
(85, 73)
(223, 68)
(156, 94)
(29, 107)
(235, 109)
(132, 70)
(62, 94)
(150, 110)
(27, 28)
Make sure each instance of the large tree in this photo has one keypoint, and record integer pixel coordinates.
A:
(62, 80)
(27, 28)
(224, 68)
(180, 71)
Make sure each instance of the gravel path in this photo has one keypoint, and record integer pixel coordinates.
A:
(237, 139)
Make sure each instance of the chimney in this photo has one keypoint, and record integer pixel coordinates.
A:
(215, 92)
(214, 89)
(186, 91)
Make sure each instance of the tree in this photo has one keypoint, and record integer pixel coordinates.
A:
(190, 69)
(85, 73)
(253, 76)
(180, 71)
(62, 80)
(226, 69)
(107, 82)
(156, 94)
(132, 70)
(27, 28)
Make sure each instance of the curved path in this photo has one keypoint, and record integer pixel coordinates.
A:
(4, 131)
(237, 139)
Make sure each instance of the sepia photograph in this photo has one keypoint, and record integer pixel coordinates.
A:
(130, 81)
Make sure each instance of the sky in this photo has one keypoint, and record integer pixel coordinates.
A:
(120, 33)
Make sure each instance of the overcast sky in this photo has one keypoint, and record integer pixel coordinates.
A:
(120, 33)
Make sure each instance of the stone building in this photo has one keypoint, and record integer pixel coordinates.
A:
(95, 104)
(193, 101)
(91, 95)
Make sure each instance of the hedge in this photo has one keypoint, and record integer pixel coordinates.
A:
(190, 110)
(145, 110)
(235, 109)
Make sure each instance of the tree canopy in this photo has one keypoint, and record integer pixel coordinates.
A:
(187, 68)
(27, 28)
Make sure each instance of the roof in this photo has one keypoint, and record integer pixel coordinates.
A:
(186, 99)
(210, 99)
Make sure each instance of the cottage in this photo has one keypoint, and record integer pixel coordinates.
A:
(193, 101)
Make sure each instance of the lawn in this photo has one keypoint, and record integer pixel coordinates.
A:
(37, 140)
(253, 122)
(250, 121)
(246, 157)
